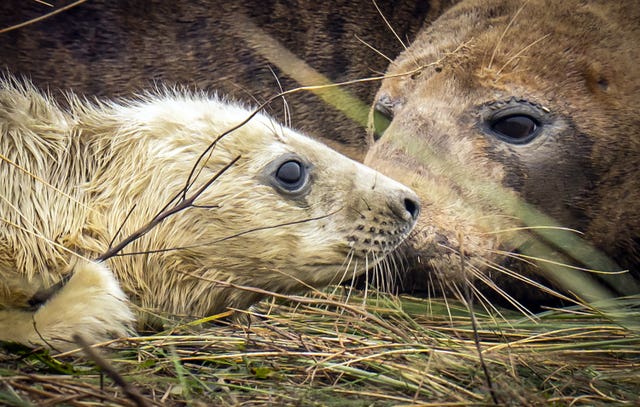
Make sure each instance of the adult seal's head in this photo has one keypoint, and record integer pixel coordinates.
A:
(511, 120)
(290, 214)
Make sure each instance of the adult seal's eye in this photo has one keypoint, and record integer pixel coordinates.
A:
(382, 116)
(291, 175)
(515, 129)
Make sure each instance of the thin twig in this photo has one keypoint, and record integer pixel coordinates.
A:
(42, 296)
(126, 218)
(474, 324)
(225, 238)
(130, 390)
(43, 17)
(185, 203)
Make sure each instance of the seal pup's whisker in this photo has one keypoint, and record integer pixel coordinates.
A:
(367, 277)
(400, 267)
(380, 271)
(390, 270)
(342, 275)
(383, 274)
(373, 274)
(222, 239)
(519, 53)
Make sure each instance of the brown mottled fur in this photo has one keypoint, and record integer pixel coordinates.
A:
(574, 64)
(113, 48)
(72, 175)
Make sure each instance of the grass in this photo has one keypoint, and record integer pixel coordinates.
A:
(396, 351)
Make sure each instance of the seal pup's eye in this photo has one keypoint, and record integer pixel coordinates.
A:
(291, 175)
(515, 129)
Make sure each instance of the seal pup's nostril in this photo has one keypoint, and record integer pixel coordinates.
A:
(413, 207)
(405, 205)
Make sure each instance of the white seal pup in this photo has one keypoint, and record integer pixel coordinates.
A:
(287, 215)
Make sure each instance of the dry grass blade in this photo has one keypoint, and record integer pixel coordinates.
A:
(42, 17)
(317, 352)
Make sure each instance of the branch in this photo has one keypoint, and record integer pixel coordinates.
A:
(182, 205)
(128, 389)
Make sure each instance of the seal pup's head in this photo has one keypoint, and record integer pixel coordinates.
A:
(290, 214)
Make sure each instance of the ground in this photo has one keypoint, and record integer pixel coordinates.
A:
(320, 351)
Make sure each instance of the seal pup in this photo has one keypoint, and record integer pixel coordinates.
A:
(289, 214)
(502, 109)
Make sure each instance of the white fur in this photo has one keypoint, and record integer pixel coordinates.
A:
(91, 303)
